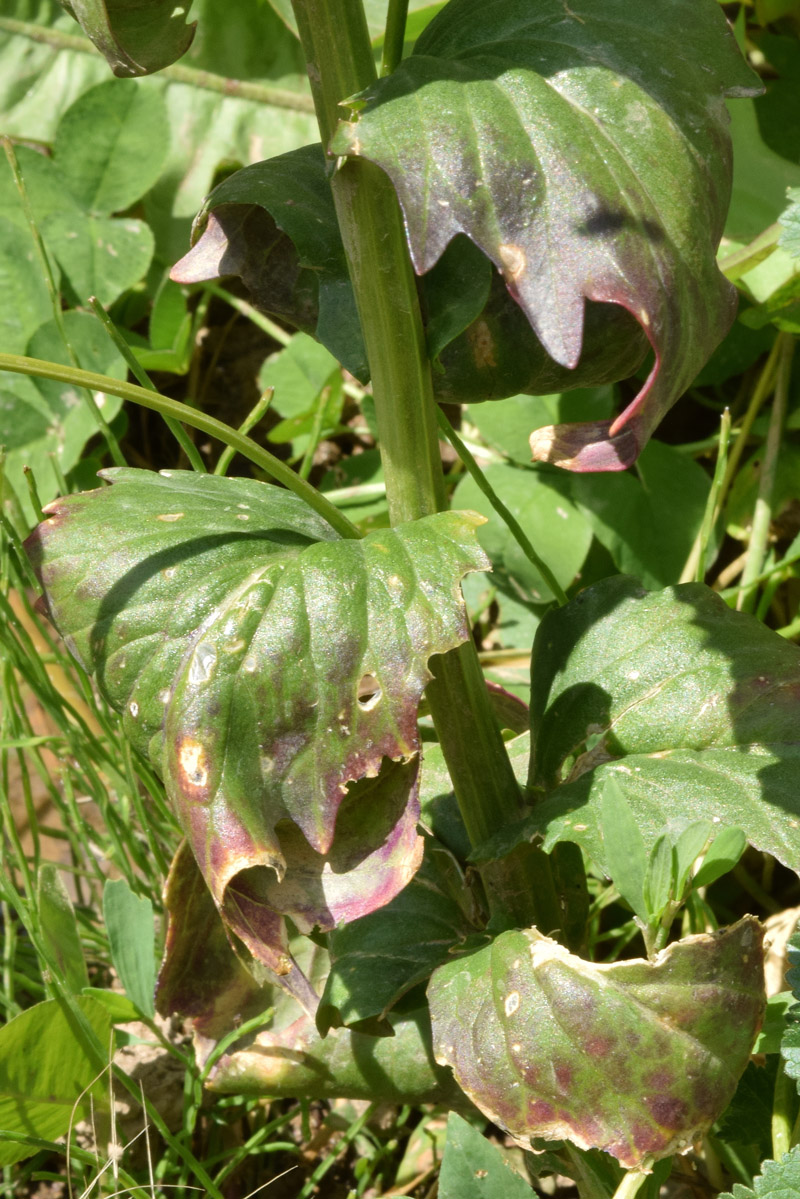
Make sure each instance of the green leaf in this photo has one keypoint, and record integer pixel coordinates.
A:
(559, 533)
(292, 673)
(419, 12)
(658, 880)
(131, 934)
(24, 300)
(721, 856)
(44, 1073)
(648, 522)
(245, 41)
(774, 1026)
(59, 927)
(134, 40)
(54, 417)
(790, 219)
(542, 1041)
(692, 706)
(606, 177)
(748, 1119)
(379, 958)
(626, 859)
(779, 1180)
(688, 847)
(111, 145)
(119, 1007)
(100, 256)
(472, 1168)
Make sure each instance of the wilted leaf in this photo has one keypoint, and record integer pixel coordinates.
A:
(250, 223)
(264, 665)
(134, 38)
(603, 175)
(637, 1058)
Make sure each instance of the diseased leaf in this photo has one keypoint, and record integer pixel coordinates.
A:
(377, 959)
(264, 665)
(250, 225)
(541, 1040)
(603, 175)
(274, 225)
(134, 39)
(778, 1180)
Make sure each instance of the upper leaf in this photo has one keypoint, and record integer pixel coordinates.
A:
(637, 1058)
(134, 38)
(557, 137)
(264, 664)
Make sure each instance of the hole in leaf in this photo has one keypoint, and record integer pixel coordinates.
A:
(369, 692)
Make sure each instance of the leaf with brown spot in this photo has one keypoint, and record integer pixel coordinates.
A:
(233, 628)
(637, 1058)
(585, 149)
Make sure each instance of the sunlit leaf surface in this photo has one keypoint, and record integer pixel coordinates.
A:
(584, 148)
(271, 671)
(637, 1058)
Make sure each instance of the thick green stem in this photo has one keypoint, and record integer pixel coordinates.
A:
(340, 64)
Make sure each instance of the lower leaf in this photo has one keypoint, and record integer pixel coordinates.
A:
(637, 1058)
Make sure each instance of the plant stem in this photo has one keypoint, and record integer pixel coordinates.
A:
(762, 513)
(189, 416)
(276, 97)
(511, 522)
(784, 1105)
(630, 1185)
(394, 36)
(337, 48)
(695, 568)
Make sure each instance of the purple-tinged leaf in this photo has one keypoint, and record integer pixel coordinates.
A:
(135, 38)
(585, 149)
(264, 665)
(637, 1058)
(377, 959)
